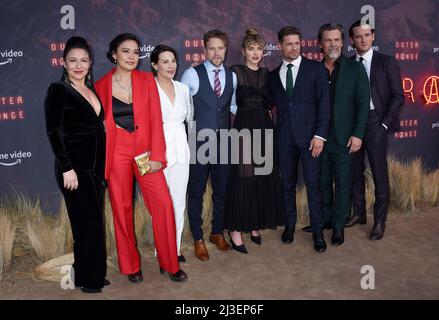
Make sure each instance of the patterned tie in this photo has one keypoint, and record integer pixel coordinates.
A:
(217, 83)
(289, 85)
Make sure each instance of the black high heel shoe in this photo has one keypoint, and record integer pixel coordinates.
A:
(181, 258)
(90, 290)
(94, 290)
(179, 276)
(136, 277)
(241, 248)
(256, 239)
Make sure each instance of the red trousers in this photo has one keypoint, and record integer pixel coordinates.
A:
(157, 199)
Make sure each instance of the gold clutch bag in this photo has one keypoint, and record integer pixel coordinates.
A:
(142, 163)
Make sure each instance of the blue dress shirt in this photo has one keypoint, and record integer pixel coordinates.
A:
(190, 78)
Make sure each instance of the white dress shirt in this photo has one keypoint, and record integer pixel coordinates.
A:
(295, 69)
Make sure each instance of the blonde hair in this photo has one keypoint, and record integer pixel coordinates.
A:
(252, 37)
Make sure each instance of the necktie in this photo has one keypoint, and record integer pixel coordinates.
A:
(289, 84)
(364, 62)
(217, 83)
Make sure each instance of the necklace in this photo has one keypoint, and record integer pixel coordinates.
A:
(120, 85)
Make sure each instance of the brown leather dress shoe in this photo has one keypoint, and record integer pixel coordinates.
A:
(220, 242)
(201, 250)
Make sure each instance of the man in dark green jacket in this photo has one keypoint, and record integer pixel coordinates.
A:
(350, 98)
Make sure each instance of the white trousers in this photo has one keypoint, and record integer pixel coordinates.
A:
(177, 177)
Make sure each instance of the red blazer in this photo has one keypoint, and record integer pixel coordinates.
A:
(148, 123)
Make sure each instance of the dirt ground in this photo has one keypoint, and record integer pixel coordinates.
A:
(405, 264)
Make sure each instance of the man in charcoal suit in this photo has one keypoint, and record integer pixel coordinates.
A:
(386, 100)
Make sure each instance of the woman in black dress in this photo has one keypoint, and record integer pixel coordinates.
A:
(253, 200)
(74, 122)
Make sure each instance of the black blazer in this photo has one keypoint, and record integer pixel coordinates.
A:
(386, 89)
(307, 112)
(75, 132)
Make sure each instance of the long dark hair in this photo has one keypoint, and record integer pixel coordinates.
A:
(78, 43)
(116, 42)
(156, 53)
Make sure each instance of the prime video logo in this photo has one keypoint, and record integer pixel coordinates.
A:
(146, 51)
(374, 48)
(436, 50)
(435, 125)
(269, 48)
(11, 159)
(7, 55)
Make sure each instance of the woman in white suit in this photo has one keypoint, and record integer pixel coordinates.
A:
(176, 104)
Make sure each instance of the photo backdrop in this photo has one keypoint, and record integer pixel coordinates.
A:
(33, 34)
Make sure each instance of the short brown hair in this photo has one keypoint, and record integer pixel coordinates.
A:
(288, 30)
(358, 24)
(330, 27)
(252, 37)
(215, 33)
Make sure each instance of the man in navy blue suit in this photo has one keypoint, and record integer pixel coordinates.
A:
(301, 94)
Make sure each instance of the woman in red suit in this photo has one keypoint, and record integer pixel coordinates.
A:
(133, 123)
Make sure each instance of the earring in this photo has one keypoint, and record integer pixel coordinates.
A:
(66, 75)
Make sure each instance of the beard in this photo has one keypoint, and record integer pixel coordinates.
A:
(334, 54)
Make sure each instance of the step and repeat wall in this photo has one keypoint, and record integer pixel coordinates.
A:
(33, 34)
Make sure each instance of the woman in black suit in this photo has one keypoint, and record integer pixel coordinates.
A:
(74, 122)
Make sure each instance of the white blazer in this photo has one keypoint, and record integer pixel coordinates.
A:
(174, 116)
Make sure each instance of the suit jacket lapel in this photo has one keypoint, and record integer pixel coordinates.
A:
(278, 80)
(340, 78)
(107, 98)
(137, 94)
(374, 68)
(300, 74)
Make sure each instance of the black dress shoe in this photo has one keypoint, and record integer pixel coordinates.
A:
(327, 226)
(241, 248)
(337, 237)
(308, 229)
(181, 258)
(256, 239)
(136, 277)
(356, 219)
(319, 242)
(288, 235)
(377, 231)
(90, 290)
(179, 276)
